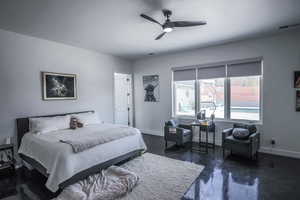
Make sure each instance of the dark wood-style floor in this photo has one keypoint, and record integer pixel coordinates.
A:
(236, 178)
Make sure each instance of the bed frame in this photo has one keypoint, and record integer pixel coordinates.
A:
(23, 127)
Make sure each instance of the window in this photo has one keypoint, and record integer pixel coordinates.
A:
(211, 94)
(184, 98)
(245, 98)
(229, 91)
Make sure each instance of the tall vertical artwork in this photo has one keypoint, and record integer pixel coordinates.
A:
(151, 88)
(298, 100)
(297, 79)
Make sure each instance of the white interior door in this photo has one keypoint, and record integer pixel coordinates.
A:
(123, 99)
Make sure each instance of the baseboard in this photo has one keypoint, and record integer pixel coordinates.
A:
(280, 152)
(160, 133)
(152, 132)
(268, 150)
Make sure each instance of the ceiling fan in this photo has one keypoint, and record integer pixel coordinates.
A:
(169, 25)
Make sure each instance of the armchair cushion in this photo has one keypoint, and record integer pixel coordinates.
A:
(232, 140)
(186, 131)
(241, 133)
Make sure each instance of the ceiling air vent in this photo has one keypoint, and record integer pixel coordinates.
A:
(288, 26)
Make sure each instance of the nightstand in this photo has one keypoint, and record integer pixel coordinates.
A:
(7, 156)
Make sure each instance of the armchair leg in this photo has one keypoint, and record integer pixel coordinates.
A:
(166, 144)
(223, 153)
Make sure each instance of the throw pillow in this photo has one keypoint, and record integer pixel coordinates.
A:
(240, 133)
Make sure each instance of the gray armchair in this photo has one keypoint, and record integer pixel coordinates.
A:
(249, 146)
(178, 133)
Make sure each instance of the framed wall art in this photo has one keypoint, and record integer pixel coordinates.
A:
(59, 86)
(297, 79)
(151, 88)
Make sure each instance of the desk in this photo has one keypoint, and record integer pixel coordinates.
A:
(207, 127)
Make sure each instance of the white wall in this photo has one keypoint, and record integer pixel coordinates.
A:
(22, 59)
(281, 54)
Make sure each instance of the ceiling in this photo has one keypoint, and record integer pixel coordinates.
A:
(115, 27)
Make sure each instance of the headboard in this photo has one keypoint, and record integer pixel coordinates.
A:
(23, 123)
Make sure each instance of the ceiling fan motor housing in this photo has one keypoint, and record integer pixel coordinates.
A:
(168, 24)
(167, 13)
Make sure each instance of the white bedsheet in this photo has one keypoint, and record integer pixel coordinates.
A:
(60, 160)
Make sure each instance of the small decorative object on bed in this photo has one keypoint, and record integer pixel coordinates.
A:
(73, 123)
(57, 86)
(151, 88)
(297, 79)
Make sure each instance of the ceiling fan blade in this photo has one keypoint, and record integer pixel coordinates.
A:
(150, 18)
(160, 36)
(188, 23)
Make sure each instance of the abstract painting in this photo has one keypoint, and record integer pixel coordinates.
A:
(151, 88)
(58, 86)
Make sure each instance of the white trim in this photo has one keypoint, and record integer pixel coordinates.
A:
(152, 132)
(280, 152)
(267, 150)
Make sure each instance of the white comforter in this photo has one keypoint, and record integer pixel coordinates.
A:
(60, 160)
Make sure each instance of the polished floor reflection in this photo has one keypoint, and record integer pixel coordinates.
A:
(236, 178)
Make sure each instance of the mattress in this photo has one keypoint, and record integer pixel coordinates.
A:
(62, 163)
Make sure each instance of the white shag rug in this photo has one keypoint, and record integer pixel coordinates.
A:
(160, 178)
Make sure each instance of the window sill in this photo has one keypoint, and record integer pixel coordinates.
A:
(222, 120)
(239, 121)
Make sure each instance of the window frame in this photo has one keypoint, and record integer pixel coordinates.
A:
(227, 99)
(228, 106)
(174, 103)
(199, 102)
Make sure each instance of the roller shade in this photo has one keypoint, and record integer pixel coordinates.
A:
(185, 75)
(244, 69)
(212, 72)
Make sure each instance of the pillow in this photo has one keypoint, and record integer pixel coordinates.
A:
(250, 127)
(87, 118)
(241, 133)
(47, 124)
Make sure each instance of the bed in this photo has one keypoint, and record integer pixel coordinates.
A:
(61, 165)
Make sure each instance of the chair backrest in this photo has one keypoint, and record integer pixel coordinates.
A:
(172, 123)
(251, 127)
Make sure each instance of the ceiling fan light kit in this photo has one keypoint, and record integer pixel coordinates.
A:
(168, 26)
(168, 29)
